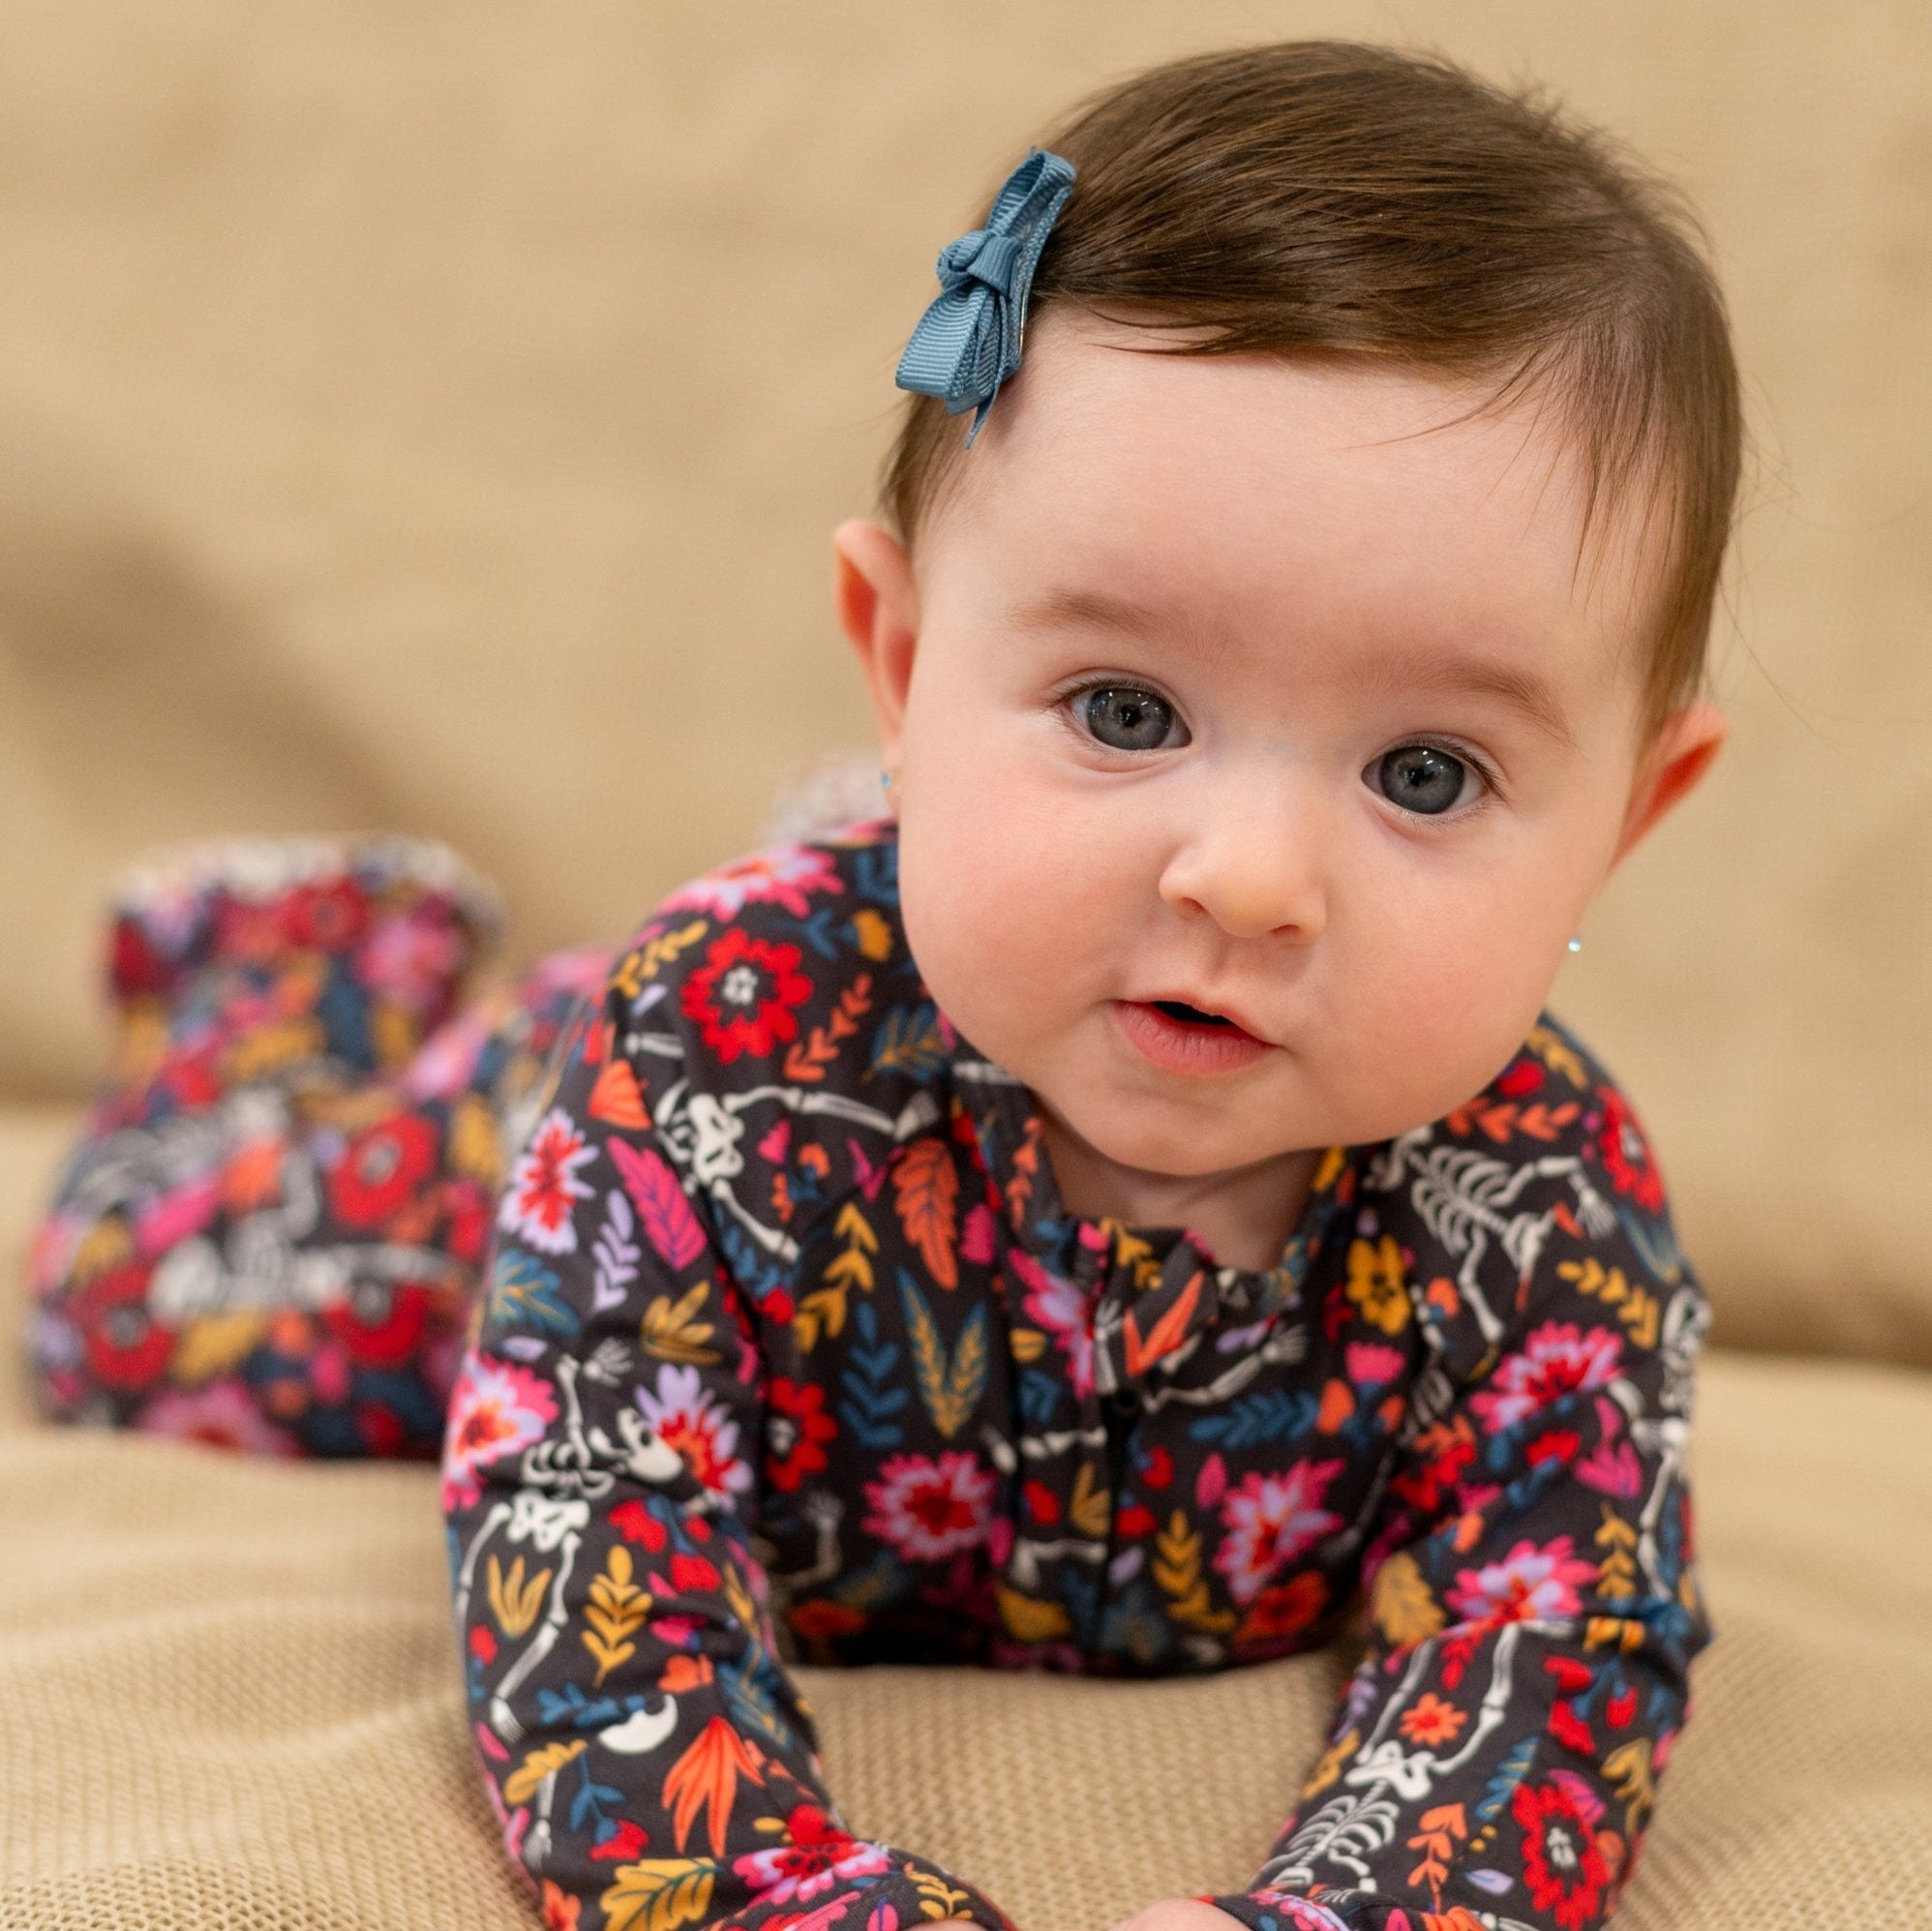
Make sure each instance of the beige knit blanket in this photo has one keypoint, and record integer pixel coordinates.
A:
(230, 1696)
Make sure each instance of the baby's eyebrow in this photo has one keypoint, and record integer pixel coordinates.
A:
(1524, 691)
(1064, 604)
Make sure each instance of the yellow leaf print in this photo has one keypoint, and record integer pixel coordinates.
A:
(1029, 1619)
(393, 1031)
(634, 968)
(1628, 1768)
(522, 1783)
(1329, 1768)
(279, 1044)
(821, 1312)
(1177, 1569)
(618, 1607)
(513, 1602)
(1555, 1055)
(672, 1331)
(1401, 1604)
(936, 1897)
(1091, 1506)
(474, 1147)
(104, 1245)
(659, 1894)
(1376, 1284)
(213, 1344)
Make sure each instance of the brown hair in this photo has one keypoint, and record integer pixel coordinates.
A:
(1321, 198)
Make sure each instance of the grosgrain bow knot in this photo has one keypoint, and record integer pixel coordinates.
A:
(968, 342)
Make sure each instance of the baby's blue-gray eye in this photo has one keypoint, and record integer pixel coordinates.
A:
(1420, 778)
(1126, 718)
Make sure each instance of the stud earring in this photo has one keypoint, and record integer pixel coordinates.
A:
(1576, 943)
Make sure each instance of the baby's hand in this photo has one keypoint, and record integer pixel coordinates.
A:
(1180, 1914)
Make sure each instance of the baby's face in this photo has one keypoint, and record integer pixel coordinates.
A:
(1233, 687)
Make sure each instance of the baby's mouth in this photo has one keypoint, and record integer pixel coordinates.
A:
(1189, 1015)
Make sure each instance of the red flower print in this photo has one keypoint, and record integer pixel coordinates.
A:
(822, 1620)
(928, 1509)
(1626, 1154)
(1529, 1583)
(1442, 1452)
(126, 1347)
(743, 995)
(382, 1324)
(687, 1417)
(544, 1186)
(797, 1427)
(1283, 1611)
(1556, 1359)
(380, 1169)
(1561, 1865)
(325, 917)
(496, 1408)
(1429, 1721)
(1269, 1520)
(819, 1855)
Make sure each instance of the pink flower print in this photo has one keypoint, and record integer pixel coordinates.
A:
(1559, 1359)
(496, 1408)
(1531, 1582)
(1061, 1309)
(412, 961)
(1268, 1521)
(783, 875)
(685, 1416)
(819, 1855)
(544, 1184)
(930, 1508)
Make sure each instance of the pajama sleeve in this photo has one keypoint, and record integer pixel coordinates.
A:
(1531, 1602)
(649, 1760)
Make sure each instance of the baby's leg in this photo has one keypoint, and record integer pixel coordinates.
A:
(269, 1233)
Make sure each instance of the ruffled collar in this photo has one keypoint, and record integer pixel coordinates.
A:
(1148, 1289)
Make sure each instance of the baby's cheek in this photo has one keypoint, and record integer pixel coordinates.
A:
(1435, 1037)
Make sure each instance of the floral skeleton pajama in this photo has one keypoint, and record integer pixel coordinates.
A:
(785, 1349)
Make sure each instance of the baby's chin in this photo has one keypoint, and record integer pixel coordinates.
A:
(1189, 1138)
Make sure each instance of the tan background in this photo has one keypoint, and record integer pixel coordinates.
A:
(434, 415)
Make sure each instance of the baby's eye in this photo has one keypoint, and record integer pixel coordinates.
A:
(1422, 778)
(1126, 718)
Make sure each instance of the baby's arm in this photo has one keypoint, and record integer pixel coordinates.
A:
(1532, 1606)
(647, 1755)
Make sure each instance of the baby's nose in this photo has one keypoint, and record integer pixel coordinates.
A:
(1256, 872)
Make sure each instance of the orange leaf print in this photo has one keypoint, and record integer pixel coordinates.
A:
(618, 1098)
(706, 1778)
(1166, 1333)
(927, 1188)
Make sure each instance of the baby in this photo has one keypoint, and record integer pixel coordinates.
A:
(1125, 1198)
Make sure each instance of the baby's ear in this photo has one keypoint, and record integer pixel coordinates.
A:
(877, 603)
(1676, 759)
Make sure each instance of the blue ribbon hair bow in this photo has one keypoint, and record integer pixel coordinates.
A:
(968, 341)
